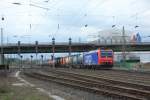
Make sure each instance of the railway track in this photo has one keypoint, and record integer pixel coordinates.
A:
(105, 79)
(143, 78)
(97, 85)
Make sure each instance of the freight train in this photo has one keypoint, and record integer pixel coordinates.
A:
(100, 58)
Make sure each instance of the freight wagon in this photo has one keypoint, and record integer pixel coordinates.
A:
(101, 58)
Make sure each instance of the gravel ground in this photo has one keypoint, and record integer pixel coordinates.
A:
(13, 89)
(57, 91)
(66, 92)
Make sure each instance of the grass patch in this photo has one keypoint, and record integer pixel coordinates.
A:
(10, 92)
(23, 93)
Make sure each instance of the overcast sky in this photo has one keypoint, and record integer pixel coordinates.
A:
(41, 20)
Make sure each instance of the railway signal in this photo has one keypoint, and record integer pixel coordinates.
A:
(42, 60)
(31, 60)
(21, 61)
(70, 43)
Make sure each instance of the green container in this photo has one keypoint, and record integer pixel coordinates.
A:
(128, 64)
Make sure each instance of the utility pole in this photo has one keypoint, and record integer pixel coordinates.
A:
(99, 41)
(53, 49)
(31, 61)
(70, 43)
(123, 46)
(21, 66)
(36, 50)
(2, 59)
(2, 54)
(42, 61)
(19, 50)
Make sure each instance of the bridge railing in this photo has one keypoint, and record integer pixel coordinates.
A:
(77, 43)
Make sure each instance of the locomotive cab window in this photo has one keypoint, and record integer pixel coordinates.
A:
(106, 54)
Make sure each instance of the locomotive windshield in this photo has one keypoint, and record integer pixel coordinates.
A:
(106, 54)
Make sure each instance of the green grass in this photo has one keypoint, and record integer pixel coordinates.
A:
(22, 93)
(9, 92)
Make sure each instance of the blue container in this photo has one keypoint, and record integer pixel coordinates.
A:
(90, 58)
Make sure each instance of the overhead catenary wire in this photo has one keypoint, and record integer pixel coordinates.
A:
(68, 14)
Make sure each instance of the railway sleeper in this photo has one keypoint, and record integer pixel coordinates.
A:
(121, 83)
(94, 90)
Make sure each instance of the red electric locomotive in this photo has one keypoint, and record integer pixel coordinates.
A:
(101, 58)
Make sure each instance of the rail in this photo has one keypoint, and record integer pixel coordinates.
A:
(100, 86)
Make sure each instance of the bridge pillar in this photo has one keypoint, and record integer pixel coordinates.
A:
(19, 56)
(1, 59)
(19, 50)
(36, 51)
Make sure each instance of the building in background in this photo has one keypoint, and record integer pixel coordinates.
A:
(113, 36)
(136, 38)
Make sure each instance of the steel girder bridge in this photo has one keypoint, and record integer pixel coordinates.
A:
(70, 47)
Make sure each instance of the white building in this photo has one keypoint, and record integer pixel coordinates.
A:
(111, 35)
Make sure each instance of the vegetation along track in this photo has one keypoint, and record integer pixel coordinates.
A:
(93, 84)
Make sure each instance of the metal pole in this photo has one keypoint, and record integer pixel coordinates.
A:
(36, 50)
(42, 60)
(53, 49)
(70, 42)
(105, 41)
(7, 54)
(111, 41)
(123, 46)
(2, 54)
(21, 61)
(99, 39)
(70, 46)
(31, 60)
(2, 60)
(19, 54)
